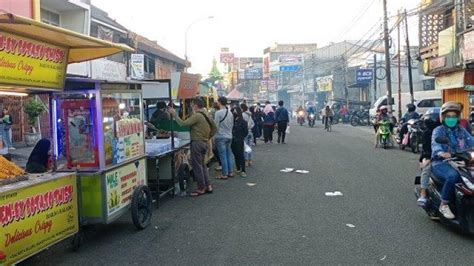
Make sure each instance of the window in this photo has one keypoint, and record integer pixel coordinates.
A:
(50, 18)
(430, 103)
(428, 84)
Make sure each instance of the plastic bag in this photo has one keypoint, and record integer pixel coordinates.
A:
(288, 129)
(247, 148)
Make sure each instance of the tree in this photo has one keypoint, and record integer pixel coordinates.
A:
(215, 74)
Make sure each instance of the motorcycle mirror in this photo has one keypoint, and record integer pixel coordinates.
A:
(442, 140)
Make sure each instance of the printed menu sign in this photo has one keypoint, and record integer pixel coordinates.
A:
(36, 216)
(27, 62)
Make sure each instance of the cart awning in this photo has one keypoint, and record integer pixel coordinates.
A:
(81, 47)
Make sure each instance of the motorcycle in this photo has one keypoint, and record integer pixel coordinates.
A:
(300, 118)
(311, 120)
(413, 136)
(384, 133)
(463, 205)
(360, 118)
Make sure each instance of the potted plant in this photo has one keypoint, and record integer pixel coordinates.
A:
(33, 110)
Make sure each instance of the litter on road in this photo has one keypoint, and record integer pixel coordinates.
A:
(302, 171)
(384, 257)
(333, 194)
(350, 225)
(287, 170)
(251, 184)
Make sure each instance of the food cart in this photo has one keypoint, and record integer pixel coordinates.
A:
(166, 145)
(100, 135)
(39, 210)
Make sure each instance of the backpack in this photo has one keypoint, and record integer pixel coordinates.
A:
(211, 124)
(250, 122)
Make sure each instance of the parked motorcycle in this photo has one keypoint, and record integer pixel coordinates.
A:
(300, 118)
(463, 205)
(311, 120)
(413, 137)
(384, 134)
(359, 118)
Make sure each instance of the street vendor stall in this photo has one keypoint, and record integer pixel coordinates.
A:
(166, 144)
(38, 210)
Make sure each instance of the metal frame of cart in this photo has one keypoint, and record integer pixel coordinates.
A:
(106, 150)
(164, 164)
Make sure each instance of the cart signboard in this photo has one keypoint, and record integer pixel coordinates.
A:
(35, 216)
(26, 62)
(120, 184)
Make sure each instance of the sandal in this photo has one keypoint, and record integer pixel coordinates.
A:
(222, 177)
(230, 176)
(197, 193)
(209, 190)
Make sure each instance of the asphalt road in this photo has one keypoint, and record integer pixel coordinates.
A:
(285, 218)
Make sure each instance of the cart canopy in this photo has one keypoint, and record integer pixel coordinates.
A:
(81, 47)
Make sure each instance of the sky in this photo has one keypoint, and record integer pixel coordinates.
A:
(249, 26)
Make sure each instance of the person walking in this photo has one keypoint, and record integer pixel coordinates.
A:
(202, 129)
(247, 116)
(239, 132)
(224, 121)
(282, 119)
(258, 121)
(268, 123)
(7, 128)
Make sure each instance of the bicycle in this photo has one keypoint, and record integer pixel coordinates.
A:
(328, 124)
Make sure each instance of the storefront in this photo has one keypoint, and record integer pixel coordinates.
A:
(39, 210)
(458, 87)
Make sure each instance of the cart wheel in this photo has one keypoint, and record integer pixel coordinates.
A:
(183, 177)
(77, 241)
(141, 207)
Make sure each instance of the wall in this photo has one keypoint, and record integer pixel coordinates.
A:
(76, 20)
(19, 7)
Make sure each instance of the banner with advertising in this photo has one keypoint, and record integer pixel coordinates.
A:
(324, 83)
(468, 52)
(227, 58)
(26, 62)
(128, 143)
(188, 85)
(137, 66)
(364, 75)
(253, 74)
(120, 184)
(36, 216)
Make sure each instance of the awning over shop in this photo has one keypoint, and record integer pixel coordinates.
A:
(81, 47)
(235, 95)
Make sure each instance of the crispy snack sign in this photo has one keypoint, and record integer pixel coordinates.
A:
(27, 62)
(34, 217)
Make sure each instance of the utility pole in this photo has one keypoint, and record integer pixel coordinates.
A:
(375, 77)
(387, 56)
(346, 91)
(399, 70)
(410, 77)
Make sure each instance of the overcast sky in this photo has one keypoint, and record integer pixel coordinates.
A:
(249, 26)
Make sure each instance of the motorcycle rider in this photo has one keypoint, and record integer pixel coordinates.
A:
(300, 113)
(431, 121)
(311, 109)
(381, 116)
(411, 114)
(459, 139)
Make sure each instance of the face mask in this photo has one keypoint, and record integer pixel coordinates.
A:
(451, 121)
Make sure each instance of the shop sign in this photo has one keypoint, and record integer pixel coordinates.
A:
(253, 74)
(437, 62)
(129, 140)
(120, 184)
(188, 85)
(104, 69)
(450, 81)
(227, 58)
(324, 83)
(137, 65)
(364, 75)
(294, 68)
(468, 52)
(26, 62)
(268, 84)
(36, 216)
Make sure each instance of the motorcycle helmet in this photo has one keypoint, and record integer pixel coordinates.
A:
(411, 107)
(383, 109)
(450, 107)
(431, 118)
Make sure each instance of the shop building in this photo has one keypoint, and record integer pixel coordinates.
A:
(446, 48)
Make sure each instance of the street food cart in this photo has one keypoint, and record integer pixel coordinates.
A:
(166, 144)
(100, 135)
(38, 210)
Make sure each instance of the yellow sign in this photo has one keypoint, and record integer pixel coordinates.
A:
(325, 83)
(36, 216)
(26, 62)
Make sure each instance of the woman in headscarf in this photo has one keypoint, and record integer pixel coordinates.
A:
(38, 162)
(268, 122)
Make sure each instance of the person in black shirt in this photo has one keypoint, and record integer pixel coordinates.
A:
(239, 133)
(431, 121)
(38, 162)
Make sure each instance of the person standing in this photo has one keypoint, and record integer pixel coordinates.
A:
(259, 118)
(247, 116)
(268, 123)
(282, 119)
(225, 123)
(7, 128)
(202, 129)
(239, 132)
